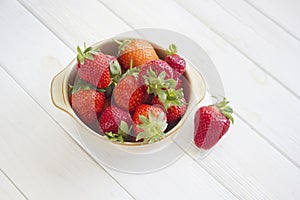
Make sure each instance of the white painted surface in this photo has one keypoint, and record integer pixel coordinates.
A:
(8, 190)
(284, 13)
(258, 159)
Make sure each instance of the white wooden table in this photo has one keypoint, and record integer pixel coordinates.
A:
(255, 45)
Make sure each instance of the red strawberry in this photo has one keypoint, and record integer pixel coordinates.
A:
(135, 51)
(111, 118)
(149, 123)
(211, 123)
(175, 61)
(93, 67)
(110, 58)
(179, 83)
(87, 103)
(158, 66)
(157, 76)
(128, 94)
(174, 112)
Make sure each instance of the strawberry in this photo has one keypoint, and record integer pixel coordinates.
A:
(111, 118)
(158, 66)
(123, 133)
(128, 94)
(93, 67)
(86, 102)
(211, 123)
(179, 83)
(110, 58)
(149, 123)
(136, 51)
(175, 61)
(157, 76)
(174, 112)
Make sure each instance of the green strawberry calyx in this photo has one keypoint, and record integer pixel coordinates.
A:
(172, 97)
(153, 128)
(157, 84)
(122, 44)
(87, 53)
(226, 110)
(171, 50)
(164, 89)
(123, 131)
(82, 85)
(132, 71)
(115, 71)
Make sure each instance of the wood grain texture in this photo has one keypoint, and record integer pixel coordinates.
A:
(284, 13)
(8, 190)
(256, 36)
(43, 69)
(235, 168)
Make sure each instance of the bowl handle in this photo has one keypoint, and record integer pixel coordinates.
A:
(57, 91)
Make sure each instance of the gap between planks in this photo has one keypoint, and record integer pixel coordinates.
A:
(13, 184)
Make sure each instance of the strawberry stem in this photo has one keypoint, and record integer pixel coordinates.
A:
(83, 85)
(153, 128)
(122, 44)
(225, 109)
(86, 54)
(171, 50)
(123, 131)
(117, 41)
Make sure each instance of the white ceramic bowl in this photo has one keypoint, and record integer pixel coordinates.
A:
(195, 90)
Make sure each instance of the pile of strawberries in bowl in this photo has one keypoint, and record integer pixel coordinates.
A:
(140, 94)
(134, 96)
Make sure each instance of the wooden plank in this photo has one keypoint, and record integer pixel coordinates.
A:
(242, 182)
(8, 190)
(193, 183)
(256, 36)
(40, 158)
(251, 96)
(80, 18)
(284, 13)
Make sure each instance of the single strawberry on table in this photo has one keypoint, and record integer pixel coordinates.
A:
(175, 61)
(93, 67)
(137, 51)
(149, 123)
(86, 101)
(211, 123)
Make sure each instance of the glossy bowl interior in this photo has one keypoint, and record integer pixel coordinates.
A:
(194, 88)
